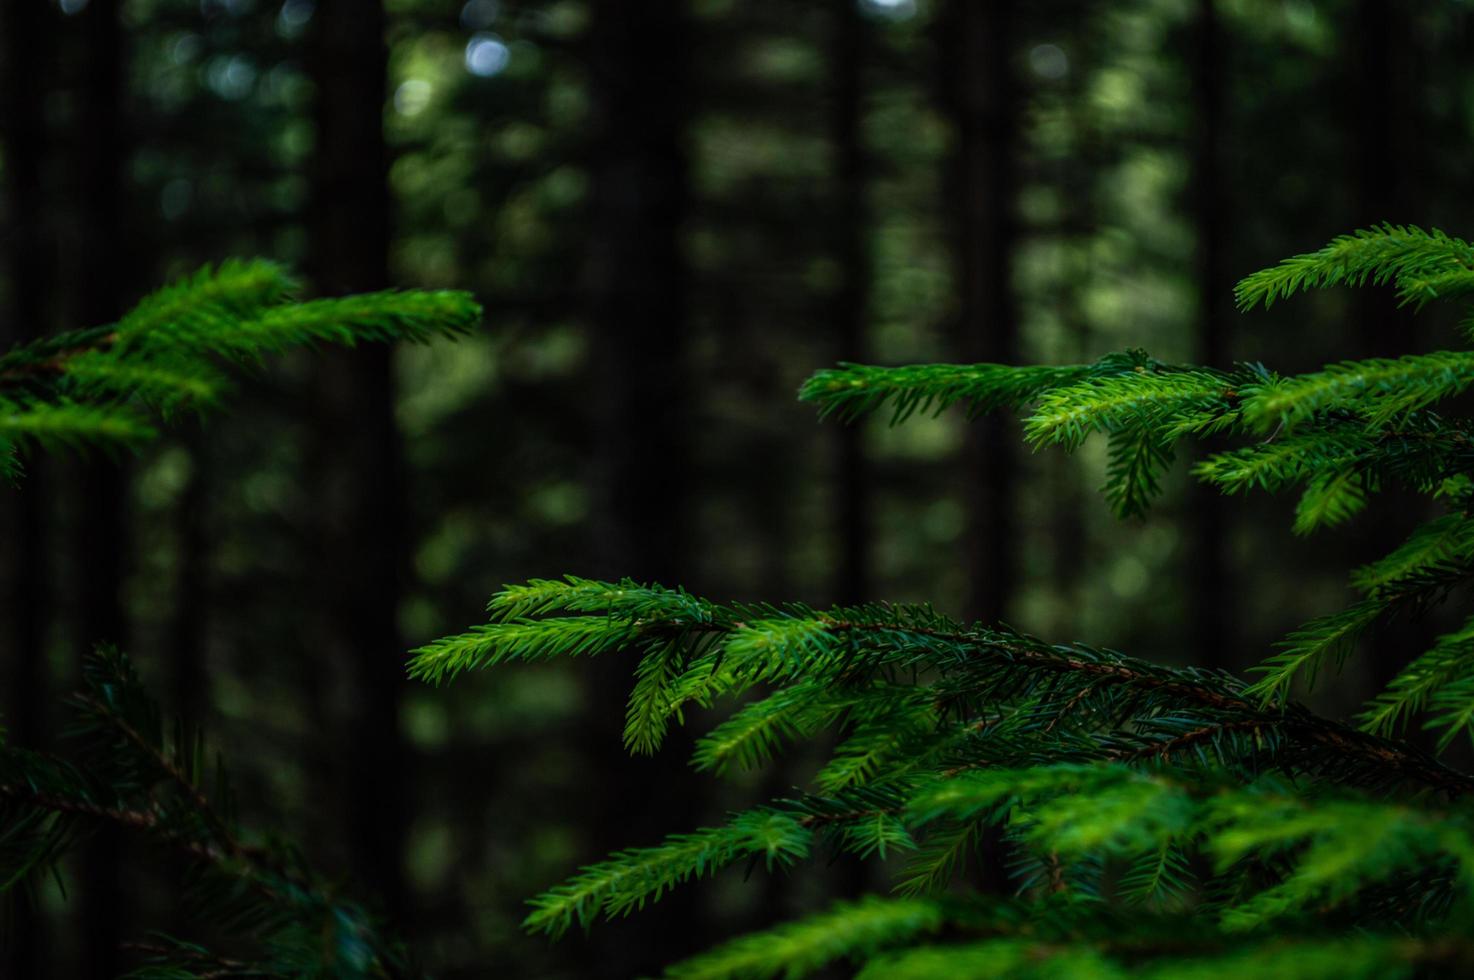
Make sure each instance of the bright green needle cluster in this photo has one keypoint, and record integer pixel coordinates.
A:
(105, 386)
(1156, 822)
(1423, 265)
(629, 879)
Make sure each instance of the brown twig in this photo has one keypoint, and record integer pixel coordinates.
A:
(147, 820)
(227, 840)
(56, 364)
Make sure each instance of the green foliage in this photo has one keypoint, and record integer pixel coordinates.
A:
(1380, 390)
(1086, 755)
(849, 930)
(1156, 821)
(99, 387)
(105, 387)
(1422, 265)
(631, 878)
(133, 770)
(853, 390)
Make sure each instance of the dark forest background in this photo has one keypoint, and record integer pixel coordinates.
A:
(673, 213)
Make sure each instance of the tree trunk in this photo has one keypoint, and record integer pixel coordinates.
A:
(188, 678)
(636, 286)
(26, 29)
(985, 111)
(636, 293)
(363, 503)
(107, 258)
(1373, 110)
(852, 582)
(1379, 124)
(1212, 597)
(984, 103)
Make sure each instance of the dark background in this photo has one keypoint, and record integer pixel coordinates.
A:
(673, 213)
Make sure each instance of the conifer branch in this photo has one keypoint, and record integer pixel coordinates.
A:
(127, 777)
(629, 879)
(1161, 821)
(841, 646)
(99, 387)
(800, 948)
(1402, 254)
(851, 391)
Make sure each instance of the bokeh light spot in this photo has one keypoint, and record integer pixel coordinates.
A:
(486, 55)
(890, 9)
(231, 78)
(294, 16)
(412, 97)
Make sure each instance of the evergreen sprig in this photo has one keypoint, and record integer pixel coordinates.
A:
(1156, 821)
(102, 386)
(1419, 263)
(630, 879)
(849, 930)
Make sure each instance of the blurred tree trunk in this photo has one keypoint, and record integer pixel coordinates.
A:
(1380, 121)
(983, 98)
(636, 287)
(26, 30)
(1377, 130)
(984, 104)
(1213, 622)
(107, 258)
(188, 678)
(852, 582)
(1078, 176)
(362, 485)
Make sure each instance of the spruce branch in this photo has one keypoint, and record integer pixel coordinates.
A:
(796, 949)
(1158, 821)
(629, 879)
(852, 391)
(101, 386)
(1406, 255)
(733, 648)
(126, 775)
